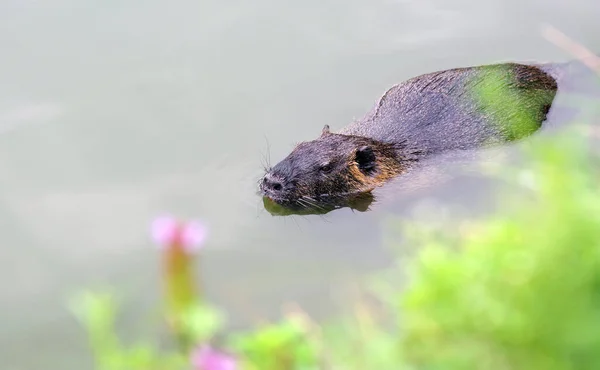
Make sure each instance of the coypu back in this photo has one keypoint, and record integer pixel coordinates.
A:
(462, 108)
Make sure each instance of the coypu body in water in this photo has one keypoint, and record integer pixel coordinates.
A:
(457, 109)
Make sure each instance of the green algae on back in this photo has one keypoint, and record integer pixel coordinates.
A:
(516, 98)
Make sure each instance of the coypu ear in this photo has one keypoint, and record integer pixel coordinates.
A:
(366, 160)
(325, 131)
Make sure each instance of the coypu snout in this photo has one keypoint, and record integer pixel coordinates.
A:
(272, 183)
(274, 186)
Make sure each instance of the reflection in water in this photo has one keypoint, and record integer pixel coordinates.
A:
(359, 202)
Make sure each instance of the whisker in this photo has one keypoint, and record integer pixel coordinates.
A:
(268, 155)
(325, 217)
(303, 203)
(313, 203)
(259, 210)
(296, 222)
(265, 160)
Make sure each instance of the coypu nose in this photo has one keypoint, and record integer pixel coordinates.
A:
(272, 183)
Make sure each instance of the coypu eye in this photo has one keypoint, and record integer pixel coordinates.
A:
(327, 167)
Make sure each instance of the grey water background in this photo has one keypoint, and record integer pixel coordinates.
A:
(112, 113)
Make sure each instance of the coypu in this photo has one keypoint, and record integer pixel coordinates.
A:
(455, 109)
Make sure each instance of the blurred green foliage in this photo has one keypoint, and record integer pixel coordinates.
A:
(287, 345)
(523, 290)
(97, 312)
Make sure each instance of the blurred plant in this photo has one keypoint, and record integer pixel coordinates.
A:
(97, 313)
(193, 321)
(179, 242)
(207, 358)
(287, 345)
(366, 338)
(523, 291)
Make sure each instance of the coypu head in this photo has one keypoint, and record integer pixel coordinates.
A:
(331, 166)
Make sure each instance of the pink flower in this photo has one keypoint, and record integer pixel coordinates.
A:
(207, 358)
(169, 232)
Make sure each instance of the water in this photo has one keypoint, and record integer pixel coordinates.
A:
(111, 113)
